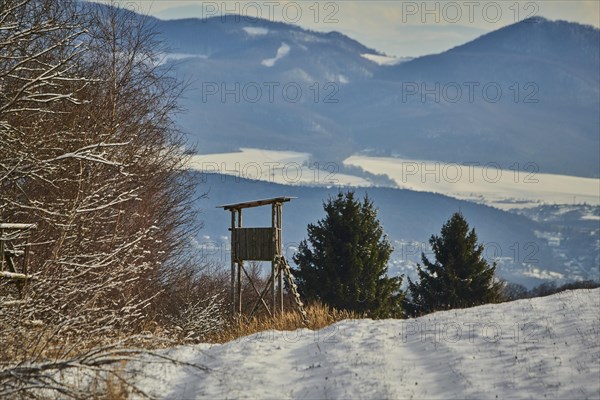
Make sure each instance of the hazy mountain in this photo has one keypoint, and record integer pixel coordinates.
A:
(284, 76)
(547, 112)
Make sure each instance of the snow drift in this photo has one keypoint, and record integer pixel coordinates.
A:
(535, 348)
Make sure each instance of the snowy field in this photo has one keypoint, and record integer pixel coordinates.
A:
(284, 167)
(517, 187)
(504, 187)
(544, 348)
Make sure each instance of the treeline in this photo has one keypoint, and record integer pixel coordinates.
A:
(344, 263)
(514, 291)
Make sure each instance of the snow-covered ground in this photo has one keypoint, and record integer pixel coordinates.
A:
(282, 51)
(385, 60)
(531, 349)
(284, 167)
(256, 30)
(516, 186)
(504, 187)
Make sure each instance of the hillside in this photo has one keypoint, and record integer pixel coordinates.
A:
(499, 98)
(409, 218)
(535, 96)
(531, 349)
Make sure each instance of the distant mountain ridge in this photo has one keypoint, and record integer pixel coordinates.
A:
(272, 85)
(548, 73)
(230, 33)
(547, 113)
(540, 37)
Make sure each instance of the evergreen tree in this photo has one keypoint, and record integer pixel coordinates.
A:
(344, 261)
(460, 277)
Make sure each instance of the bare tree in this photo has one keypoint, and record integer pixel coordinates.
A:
(90, 152)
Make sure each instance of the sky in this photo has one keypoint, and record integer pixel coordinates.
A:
(397, 28)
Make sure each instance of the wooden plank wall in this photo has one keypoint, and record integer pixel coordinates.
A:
(254, 244)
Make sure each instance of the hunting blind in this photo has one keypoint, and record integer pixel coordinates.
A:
(260, 244)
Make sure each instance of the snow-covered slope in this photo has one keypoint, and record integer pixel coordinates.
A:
(539, 348)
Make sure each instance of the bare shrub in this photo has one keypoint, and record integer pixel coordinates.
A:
(90, 153)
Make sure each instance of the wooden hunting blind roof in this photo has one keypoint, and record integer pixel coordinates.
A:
(256, 203)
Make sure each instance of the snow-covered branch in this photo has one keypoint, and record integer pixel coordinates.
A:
(89, 154)
(86, 153)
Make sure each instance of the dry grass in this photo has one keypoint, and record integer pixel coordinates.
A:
(113, 386)
(319, 316)
(43, 344)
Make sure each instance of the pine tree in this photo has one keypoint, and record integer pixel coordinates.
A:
(460, 277)
(344, 261)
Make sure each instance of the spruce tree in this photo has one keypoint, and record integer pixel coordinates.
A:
(344, 261)
(460, 277)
